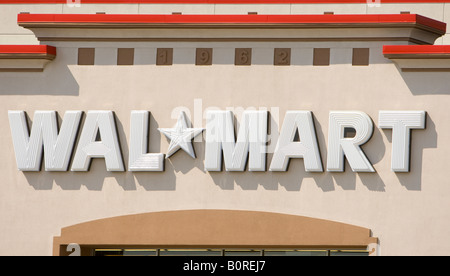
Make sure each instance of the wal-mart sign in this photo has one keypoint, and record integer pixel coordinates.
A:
(99, 139)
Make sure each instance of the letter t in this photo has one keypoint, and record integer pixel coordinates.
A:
(401, 123)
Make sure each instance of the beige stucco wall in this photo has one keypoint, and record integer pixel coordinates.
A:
(408, 212)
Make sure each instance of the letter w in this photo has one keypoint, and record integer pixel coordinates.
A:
(44, 137)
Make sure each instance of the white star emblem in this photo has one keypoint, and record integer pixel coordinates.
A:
(181, 136)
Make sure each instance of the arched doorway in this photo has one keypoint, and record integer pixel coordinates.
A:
(223, 230)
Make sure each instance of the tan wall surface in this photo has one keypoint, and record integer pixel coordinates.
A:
(407, 212)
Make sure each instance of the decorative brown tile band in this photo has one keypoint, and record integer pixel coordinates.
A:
(243, 56)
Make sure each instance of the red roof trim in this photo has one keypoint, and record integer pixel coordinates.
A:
(416, 49)
(418, 52)
(28, 49)
(232, 19)
(216, 1)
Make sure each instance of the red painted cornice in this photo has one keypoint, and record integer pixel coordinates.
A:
(416, 51)
(328, 20)
(18, 51)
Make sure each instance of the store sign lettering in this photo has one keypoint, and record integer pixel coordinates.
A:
(98, 138)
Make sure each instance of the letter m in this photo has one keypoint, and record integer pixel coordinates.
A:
(44, 137)
(251, 141)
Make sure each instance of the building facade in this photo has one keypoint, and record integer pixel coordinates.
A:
(224, 127)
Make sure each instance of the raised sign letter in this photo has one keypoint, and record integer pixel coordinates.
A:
(250, 141)
(103, 123)
(401, 123)
(57, 148)
(139, 159)
(338, 146)
(307, 148)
